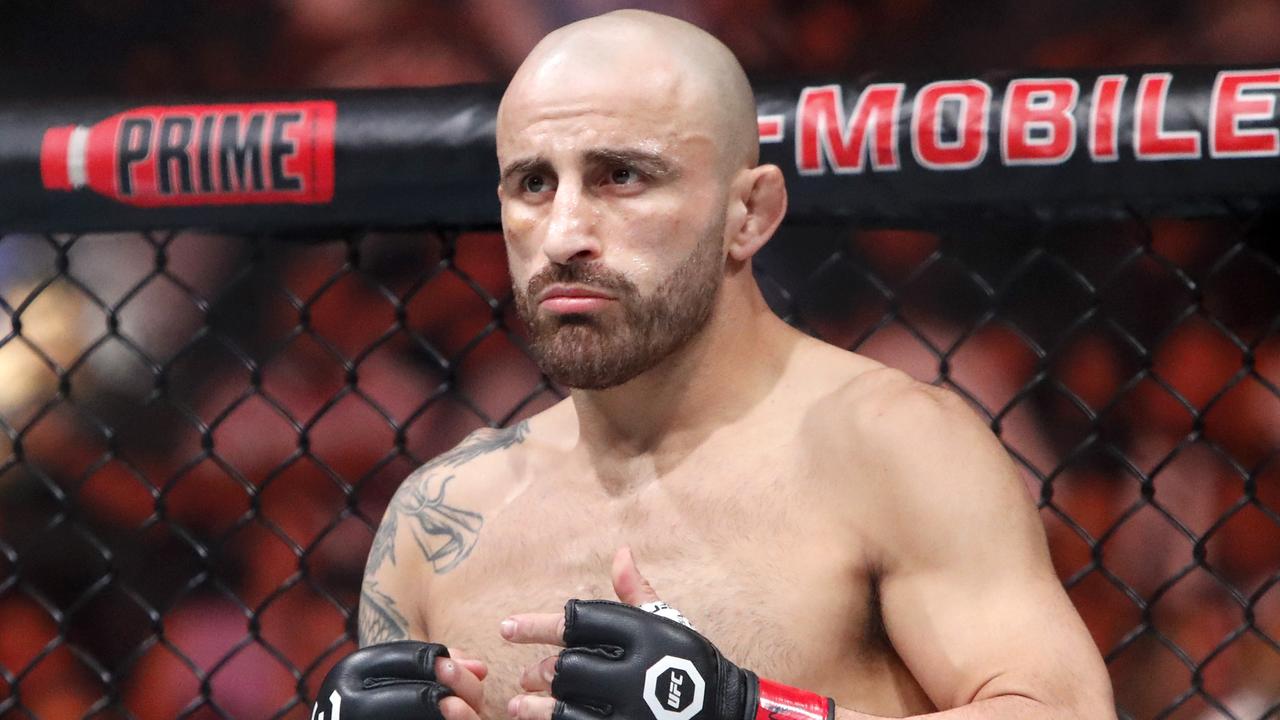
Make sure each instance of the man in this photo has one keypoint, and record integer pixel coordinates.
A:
(824, 521)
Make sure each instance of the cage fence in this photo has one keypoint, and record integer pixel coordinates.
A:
(199, 432)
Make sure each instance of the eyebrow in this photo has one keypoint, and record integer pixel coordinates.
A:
(524, 165)
(650, 163)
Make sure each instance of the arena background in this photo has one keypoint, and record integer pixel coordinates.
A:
(199, 427)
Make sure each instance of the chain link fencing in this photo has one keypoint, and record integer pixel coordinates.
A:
(199, 433)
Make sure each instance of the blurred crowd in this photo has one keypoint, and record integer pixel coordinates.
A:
(149, 47)
(191, 461)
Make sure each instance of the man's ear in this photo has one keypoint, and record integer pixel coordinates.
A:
(760, 196)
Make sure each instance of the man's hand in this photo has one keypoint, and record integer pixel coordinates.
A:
(407, 680)
(548, 629)
(625, 662)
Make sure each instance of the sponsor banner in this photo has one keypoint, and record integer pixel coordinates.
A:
(179, 155)
(881, 150)
(305, 162)
(1180, 140)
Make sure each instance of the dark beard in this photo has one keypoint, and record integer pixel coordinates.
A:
(588, 353)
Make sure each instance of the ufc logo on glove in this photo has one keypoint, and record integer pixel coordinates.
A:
(673, 689)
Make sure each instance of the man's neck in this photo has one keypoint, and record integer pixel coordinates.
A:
(648, 425)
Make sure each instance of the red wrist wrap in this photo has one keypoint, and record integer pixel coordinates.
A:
(783, 702)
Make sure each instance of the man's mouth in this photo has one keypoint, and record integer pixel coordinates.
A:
(571, 299)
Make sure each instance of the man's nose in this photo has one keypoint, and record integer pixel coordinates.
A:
(571, 228)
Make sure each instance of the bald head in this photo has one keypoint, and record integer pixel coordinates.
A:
(652, 66)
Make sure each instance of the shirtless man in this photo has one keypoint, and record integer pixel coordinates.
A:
(824, 521)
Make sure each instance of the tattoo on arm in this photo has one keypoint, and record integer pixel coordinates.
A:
(379, 620)
(444, 534)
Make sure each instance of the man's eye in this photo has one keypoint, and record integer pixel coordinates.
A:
(534, 183)
(624, 176)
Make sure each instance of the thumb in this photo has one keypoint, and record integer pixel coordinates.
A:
(628, 584)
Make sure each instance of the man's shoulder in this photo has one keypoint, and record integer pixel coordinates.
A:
(493, 453)
(887, 418)
(865, 395)
(928, 463)
(885, 397)
(485, 443)
(480, 451)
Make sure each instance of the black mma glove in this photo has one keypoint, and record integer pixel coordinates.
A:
(392, 681)
(622, 662)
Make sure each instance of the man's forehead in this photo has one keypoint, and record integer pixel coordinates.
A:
(657, 154)
(602, 95)
(573, 118)
(578, 125)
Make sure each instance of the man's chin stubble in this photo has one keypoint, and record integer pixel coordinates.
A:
(579, 355)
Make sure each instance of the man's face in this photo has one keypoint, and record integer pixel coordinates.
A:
(613, 214)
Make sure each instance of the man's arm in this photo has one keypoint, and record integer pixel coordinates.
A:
(969, 596)
(427, 529)
(388, 610)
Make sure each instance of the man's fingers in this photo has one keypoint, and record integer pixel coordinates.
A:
(541, 628)
(455, 708)
(538, 676)
(462, 681)
(531, 707)
(629, 585)
(477, 667)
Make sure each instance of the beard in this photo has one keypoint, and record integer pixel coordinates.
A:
(594, 352)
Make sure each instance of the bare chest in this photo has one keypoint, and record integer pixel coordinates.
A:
(762, 569)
